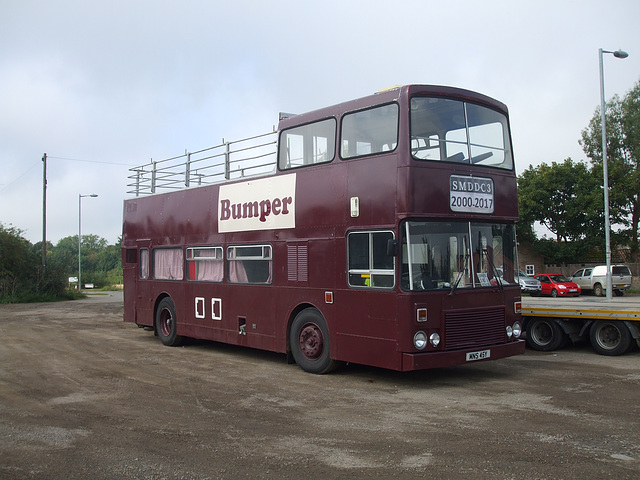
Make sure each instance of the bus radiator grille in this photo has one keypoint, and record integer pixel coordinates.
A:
(474, 328)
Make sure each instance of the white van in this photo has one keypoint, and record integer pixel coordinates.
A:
(595, 278)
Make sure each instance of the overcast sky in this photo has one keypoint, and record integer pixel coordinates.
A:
(102, 86)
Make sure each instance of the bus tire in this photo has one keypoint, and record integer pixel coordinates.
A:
(545, 335)
(610, 337)
(167, 323)
(309, 342)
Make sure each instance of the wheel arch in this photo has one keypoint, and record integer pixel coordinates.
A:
(634, 329)
(526, 320)
(586, 326)
(571, 328)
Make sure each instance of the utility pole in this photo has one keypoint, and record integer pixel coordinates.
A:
(605, 168)
(44, 210)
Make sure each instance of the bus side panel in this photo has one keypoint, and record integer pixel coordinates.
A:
(376, 352)
(366, 328)
(373, 181)
(304, 270)
(249, 315)
(236, 314)
(129, 272)
(365, 323)
(205, 313)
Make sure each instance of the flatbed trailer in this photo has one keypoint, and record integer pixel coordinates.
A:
(612, 326)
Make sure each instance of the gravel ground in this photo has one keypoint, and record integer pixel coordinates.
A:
(84, 395)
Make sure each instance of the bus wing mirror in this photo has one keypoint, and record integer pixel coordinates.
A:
(392, 247)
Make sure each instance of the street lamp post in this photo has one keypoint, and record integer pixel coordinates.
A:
(605, 167)
(93, 195)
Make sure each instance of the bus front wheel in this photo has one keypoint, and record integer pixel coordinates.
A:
(166, 323)
(309, 341)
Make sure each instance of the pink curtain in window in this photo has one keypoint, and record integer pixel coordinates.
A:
(144, 263)
(237, 273)
(209, 270)
(168, 264)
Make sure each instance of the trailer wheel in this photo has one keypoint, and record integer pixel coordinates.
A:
(166, 323)
(610, 337)
(309, 338)
(545, 335)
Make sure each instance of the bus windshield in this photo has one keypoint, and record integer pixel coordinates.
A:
(457, 131)
(451, 255)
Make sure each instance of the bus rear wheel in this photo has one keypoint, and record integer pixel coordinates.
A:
(309, 341)
(166, 323)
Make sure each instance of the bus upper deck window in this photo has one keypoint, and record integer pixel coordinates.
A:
(370, 131)
(307, 144)
(456, 131)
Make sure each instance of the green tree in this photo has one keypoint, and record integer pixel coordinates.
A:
(623, 161)
(15, 266)
(24, 279)
(101, 262)
(22, 276)
(65, 255)
(561, 197)
(110, 263)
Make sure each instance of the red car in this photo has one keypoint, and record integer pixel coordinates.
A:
(558, 285)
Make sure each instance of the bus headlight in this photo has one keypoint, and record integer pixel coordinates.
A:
(509, 331)
(434, 338)
(420, 340)
(517, 329)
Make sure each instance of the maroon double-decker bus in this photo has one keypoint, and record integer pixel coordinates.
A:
(378, 231)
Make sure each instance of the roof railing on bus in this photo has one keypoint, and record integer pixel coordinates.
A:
(230, 160)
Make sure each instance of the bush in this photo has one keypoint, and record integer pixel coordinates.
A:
(23, 278)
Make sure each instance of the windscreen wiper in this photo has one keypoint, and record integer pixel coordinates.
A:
(460, 275)
(493, 269)
(455, 284)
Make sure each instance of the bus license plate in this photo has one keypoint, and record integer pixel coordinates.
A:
(481, 355)
(471, 194)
